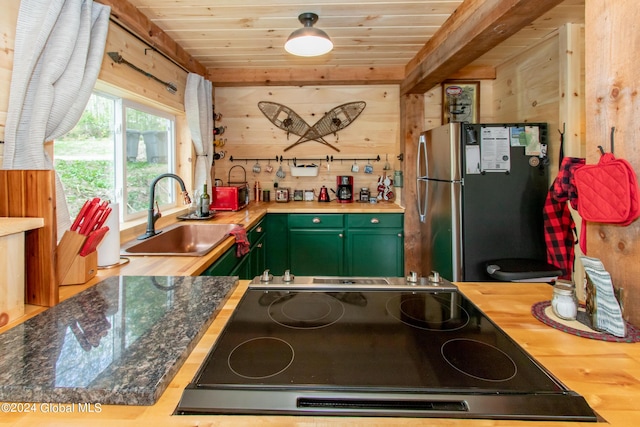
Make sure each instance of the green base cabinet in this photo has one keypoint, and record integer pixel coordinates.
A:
(225, 265)
(277, 240)
(320, 245)
(247, 266)
(316, 244)
(375, 245)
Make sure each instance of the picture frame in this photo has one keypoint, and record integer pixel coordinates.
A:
(460, 101)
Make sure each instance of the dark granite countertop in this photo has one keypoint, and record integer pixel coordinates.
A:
(118, 342)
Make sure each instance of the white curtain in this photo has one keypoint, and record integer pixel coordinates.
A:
(58, 53)
(199, 109)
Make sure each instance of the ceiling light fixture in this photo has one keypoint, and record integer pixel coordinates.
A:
(308, 41)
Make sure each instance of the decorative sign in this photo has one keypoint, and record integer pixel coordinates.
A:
(460, 102)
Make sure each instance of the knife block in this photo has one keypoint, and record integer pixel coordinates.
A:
(83, 269)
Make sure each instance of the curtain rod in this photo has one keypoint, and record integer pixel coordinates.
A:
(118, 59)
(112, 19)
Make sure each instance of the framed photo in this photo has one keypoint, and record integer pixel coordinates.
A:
(460, 101)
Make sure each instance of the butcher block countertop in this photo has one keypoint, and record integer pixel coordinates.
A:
(606, 374)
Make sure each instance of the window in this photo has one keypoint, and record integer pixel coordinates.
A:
(114, 152)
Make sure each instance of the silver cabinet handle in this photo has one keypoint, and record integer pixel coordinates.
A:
(399, 234)
(375, 221)
(259, 245)
(259, 230)
(316, 220)
(340, 235)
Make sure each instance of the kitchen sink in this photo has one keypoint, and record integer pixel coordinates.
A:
(182, 239)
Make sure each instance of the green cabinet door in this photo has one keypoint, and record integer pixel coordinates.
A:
(375, 245)
(258, 257)
(316, 244)
(377, 253)
(277, 240)
(316, 252)
(224, 265)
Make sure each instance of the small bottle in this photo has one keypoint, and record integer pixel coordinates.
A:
(205, 202)
(257, 191)
(564, 302)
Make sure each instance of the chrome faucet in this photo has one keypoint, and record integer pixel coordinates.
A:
(153, 216)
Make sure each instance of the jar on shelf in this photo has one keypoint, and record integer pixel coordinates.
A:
(564, 302)
(364, 194)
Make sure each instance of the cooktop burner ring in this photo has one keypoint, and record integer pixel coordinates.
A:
(306, 310)
(414, 310)
(479, 360)
(266, 357)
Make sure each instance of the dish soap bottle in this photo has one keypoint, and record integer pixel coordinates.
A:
(205, 203)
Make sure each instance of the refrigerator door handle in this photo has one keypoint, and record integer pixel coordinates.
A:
(422, 204)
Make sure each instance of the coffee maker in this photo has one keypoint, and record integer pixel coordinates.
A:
(345, 189)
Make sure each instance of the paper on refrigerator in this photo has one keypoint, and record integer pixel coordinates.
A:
(495, 149)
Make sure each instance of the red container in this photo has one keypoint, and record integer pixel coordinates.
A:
(230, 198)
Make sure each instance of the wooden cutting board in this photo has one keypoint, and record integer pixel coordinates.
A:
(32, 193)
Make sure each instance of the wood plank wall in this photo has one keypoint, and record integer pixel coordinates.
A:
(249, 134)
(612, 87)
(8, 19)
(121, 80)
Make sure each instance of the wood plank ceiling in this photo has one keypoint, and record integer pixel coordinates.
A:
(414, 43)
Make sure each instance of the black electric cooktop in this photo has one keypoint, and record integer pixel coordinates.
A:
(365, 349)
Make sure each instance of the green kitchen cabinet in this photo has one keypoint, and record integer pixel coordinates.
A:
(247, 266)
(316, 244)
(224, 265)
(375, 245)
(257, 241)
(277, 242)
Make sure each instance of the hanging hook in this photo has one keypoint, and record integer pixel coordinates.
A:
(613, 130)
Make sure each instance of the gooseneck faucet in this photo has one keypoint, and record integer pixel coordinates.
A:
(153, 216)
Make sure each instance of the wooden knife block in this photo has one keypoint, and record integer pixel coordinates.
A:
(83, 269)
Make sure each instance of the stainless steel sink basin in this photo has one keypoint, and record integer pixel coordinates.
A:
(182, 239)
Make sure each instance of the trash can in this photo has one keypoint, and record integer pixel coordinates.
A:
(156, 145)
(133, 140)
(522, 270)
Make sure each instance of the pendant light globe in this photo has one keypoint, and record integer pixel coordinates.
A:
(308, 41)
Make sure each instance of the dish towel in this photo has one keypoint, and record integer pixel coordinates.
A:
(242, 243)
(601, 305)
(559, 228)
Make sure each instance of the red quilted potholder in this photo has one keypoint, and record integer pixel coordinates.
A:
(607, 192)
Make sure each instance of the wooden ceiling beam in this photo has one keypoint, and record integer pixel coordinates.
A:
(476, 27)
(312, 76)
(125, 14)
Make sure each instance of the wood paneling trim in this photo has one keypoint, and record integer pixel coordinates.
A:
(475, 28)
(31, 193)
(611, 93)
(131, 18)
(412, 116)
(234, 77)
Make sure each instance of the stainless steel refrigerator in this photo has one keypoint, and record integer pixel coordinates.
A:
(481, 190)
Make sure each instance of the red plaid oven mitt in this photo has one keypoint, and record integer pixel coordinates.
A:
(607, 192)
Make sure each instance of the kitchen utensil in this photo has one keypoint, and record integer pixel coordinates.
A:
(309, 195)
(298, 195)
(67, 250)
(93, 240)
(268, 168)
(324, 195)
(368, 168)
(257, 168)
(355, 167)
(387, 165)
(280, 173)
(282, 195)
